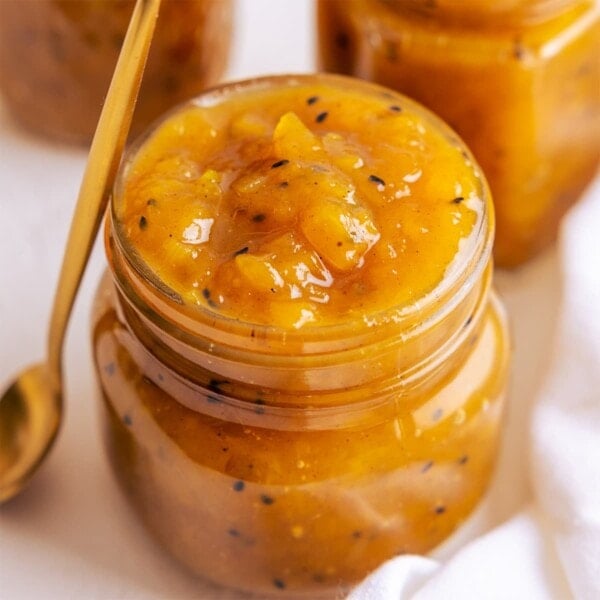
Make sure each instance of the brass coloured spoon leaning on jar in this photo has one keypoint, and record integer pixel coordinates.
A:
(301, 361)
(31, 406)
(519, 80)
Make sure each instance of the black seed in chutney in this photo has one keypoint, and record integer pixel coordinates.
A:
(342, 40)
(377, 180)
(280, 163)
(214, 385)
(427, 466)
(110, 369)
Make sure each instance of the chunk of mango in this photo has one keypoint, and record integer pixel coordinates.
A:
(248, 125)
(292, 140)
(286, 267)
(341, 233)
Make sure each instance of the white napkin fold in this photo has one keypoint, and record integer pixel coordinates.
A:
(551, 547)
(566, 424)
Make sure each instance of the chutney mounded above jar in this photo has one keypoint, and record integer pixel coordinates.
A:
(285, 209)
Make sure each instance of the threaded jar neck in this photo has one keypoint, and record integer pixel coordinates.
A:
(404, 352)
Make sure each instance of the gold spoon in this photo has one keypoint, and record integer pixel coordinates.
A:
(31, 408)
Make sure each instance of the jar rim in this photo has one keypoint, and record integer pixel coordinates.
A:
(466, 267)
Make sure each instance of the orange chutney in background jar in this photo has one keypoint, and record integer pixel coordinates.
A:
(57, 58)
(301, 360)
(518, 79)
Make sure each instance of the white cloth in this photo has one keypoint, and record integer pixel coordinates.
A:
(551, 547)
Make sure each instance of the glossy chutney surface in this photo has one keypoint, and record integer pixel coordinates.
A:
(308, 207)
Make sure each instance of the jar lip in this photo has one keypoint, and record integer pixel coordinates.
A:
(466, 266)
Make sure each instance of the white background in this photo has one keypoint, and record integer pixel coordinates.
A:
(71, 535)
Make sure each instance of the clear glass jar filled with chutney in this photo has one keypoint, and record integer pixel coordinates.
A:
(519, 80)
(57, 58)
(301, 361)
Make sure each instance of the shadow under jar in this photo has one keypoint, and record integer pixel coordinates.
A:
(519, 80)
(57, 58)
(301, 360)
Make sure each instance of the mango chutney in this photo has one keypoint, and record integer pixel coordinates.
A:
(300, 358)
(519, 80)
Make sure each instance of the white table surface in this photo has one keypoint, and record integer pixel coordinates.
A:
(71, 534)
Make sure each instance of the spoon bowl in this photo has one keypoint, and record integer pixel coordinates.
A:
(30, 415)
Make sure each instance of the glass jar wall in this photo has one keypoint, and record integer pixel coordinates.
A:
(519, 80)
(57, 58)
(286, 415)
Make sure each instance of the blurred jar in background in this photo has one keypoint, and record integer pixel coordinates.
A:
(518, 79)
(57, 58)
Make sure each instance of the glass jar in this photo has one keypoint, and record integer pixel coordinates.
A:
(519, 80)
(294, 458)
(57, 58)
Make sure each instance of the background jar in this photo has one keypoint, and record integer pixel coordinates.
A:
(518, 79)
(296, 461)
(57, 58)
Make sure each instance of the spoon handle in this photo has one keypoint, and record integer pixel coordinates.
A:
(103, 161)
